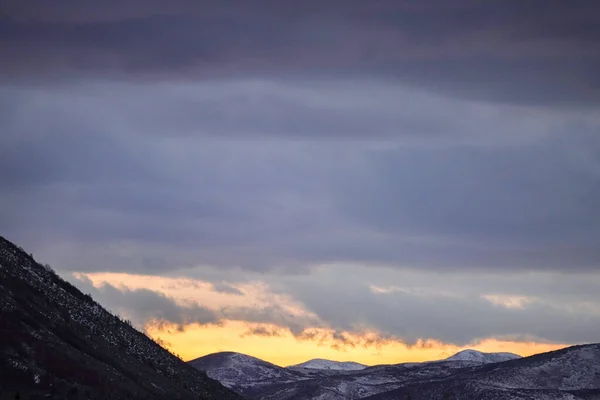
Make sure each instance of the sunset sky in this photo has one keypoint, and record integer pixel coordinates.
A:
(376, 181)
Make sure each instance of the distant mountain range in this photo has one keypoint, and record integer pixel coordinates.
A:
(572, 373)
(58, 343)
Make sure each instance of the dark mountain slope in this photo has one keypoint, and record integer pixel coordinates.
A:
(56, 341)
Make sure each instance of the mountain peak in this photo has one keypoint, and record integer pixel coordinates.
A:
(322, 364)
(554, 375)
(482, 357)
(227, 359)
(242, 372)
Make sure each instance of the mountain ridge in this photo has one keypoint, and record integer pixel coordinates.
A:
(242, 373)
(480, 356)
(324, 364)
(567, 374)
(55, 340)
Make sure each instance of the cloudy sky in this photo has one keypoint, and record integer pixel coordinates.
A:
(380, 181)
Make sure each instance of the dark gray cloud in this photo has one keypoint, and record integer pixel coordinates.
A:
(442, 314)
(262, 331)
(144, 305)
(223, 287)
(273, 314)
(502, 206)
(538, 51)
(228, 140)
(486, 187)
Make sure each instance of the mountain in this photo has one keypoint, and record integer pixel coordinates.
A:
(242, 373)
(342, 385)
(258, 379)
(572, 373)
(57, 341)
(484, 358)
(572, 368)
(319, 363)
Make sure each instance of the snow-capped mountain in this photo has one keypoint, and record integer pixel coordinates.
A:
(245, 374)
(481, 357)
(320, 379)
(571, 373)
(572, 368)
(319, 363)
(568, 374)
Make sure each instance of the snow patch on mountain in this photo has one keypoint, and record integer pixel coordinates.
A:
(243, 373)
(568, 374)
(321, 364)
(481, 357)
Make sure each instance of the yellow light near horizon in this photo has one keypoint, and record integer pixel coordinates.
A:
(285, 349)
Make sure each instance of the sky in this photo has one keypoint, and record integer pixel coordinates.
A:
(379, 181)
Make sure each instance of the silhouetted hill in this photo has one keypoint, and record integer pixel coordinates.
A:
(56, 342)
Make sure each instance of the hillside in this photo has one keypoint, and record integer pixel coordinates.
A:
(571, 373)
(56, 341)
(245, 374)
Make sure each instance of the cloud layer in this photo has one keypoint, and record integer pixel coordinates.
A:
(273, 142)
(419, 180)
(534, 52)
(354, 311)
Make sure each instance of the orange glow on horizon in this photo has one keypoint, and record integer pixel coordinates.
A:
(283, 349)
(277, 344)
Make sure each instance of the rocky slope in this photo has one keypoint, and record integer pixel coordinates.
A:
(57, 341)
